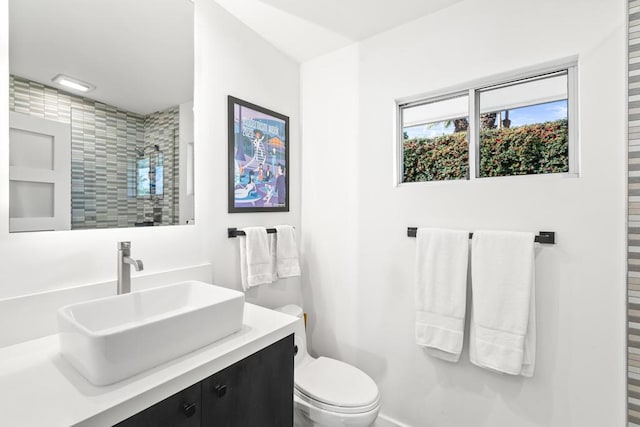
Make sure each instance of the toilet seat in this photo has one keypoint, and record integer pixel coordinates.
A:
(342, 410)
(336, 386)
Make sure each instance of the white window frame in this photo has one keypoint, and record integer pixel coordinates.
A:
(473, 89)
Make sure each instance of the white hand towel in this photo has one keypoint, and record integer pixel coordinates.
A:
(287, 251)
(442, 258)
(256, 262)
(503, 321)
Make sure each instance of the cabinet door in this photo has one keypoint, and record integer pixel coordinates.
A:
(256, 391)
(183, 409)
(39, 174)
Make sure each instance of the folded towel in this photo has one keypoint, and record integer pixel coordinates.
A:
(256, 262)
(442, 258)
(503, 315)
(287, 251)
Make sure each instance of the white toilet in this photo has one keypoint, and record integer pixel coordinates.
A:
(328, 392)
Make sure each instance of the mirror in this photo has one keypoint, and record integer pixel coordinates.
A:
(101, 114)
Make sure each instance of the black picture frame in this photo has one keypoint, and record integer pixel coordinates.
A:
(258, 158)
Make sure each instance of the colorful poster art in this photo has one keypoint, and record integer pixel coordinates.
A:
(258, 158)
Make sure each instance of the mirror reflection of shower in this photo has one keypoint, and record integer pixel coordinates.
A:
(157, 180)
(106, 141)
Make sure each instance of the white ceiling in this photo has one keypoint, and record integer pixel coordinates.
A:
(138, 53)
(304, 29)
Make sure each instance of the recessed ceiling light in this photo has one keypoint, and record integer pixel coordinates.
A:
(71, 83)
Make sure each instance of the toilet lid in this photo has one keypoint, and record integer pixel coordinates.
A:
(336, 383)
(291, 310)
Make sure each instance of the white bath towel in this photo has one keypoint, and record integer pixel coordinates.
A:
(287, 251)
(256, 259)
(502, 332)
(442, 258)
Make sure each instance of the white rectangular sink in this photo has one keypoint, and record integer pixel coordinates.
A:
(113, 338)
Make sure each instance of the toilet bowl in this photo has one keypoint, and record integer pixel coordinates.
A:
(328, 392)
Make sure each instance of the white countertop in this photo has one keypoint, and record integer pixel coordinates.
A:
(38, 387)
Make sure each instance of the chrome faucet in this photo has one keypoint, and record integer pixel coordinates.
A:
(124, 267)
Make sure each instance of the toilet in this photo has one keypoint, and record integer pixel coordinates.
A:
(328, 392)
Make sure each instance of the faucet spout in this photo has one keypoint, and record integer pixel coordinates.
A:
(136, 263)
(124, 267)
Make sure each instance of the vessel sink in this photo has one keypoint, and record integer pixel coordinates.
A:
(110, 339)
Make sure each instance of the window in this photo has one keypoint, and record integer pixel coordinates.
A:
(159, 175)
(514, 127)
(435, 143)
(148, 178)
(143, 181)
(524, 127)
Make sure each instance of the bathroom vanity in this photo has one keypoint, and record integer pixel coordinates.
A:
(257, 390)
(243, 379)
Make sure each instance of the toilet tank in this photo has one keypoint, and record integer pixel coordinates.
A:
(300, 338)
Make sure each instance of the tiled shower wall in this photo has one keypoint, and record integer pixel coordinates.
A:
(105, 141)
(633, 275)
(161, 128)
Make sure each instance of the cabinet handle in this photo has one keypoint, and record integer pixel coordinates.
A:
(220, 390)
(189, 409)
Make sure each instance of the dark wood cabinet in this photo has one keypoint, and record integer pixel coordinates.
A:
(256, 391)
(183, 409)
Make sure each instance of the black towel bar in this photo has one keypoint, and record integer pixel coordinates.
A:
(547, 237)
(234, 232)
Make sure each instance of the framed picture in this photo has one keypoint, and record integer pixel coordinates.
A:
(258, 158)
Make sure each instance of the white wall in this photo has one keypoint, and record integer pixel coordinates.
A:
(231, 59)
(330, 210)
(359, 264)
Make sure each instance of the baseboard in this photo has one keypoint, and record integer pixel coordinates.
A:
(28, 317)
(386, 421)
